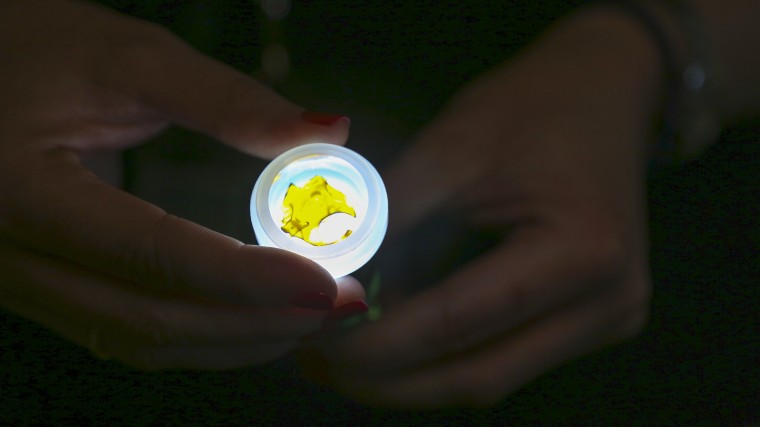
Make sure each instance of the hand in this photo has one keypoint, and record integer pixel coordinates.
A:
(549, 151)
(102, 268)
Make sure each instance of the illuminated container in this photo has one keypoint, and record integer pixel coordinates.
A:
(356, 238)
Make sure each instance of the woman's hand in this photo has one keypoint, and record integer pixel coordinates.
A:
(102, 268)
(549, 150)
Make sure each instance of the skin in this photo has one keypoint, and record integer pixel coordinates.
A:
(109, 271)
(556, 141)
(549, 151)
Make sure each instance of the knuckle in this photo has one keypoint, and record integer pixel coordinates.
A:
(605, 256)
(601, 254)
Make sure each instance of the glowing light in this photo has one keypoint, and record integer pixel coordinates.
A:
(324, 202)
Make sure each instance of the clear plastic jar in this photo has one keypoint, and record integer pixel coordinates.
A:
(349, 173)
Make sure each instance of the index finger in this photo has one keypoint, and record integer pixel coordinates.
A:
(158, 69)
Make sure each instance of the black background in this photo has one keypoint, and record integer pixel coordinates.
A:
(392, 65)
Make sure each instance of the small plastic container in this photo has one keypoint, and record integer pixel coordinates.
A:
(344, 170)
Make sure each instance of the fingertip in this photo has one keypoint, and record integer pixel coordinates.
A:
(328, 128)
(303, 128)
(349, 289)
(324, 119)
(285, 134)
(314, 277)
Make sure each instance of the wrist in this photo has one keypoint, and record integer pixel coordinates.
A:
(711, 77)
(693, 77)
(604, 64)
(691, 113)
(619, 48)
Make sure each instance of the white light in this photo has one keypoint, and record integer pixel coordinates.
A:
(346, 171)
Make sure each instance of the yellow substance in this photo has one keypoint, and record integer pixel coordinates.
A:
(306, 207)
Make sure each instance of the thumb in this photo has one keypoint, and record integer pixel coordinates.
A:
(197, 92)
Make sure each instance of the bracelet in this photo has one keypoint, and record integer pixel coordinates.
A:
(689, 123)
(697, 122)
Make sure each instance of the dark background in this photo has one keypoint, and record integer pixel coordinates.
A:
(391, 66)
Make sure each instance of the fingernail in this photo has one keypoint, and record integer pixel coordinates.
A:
(323, 119)
(316, 301)
(345, 311)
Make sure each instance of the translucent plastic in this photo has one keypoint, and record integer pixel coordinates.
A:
(356, 238)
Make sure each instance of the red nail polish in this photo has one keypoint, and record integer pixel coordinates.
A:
(317, 301)
(323, 119)
(345, 311)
